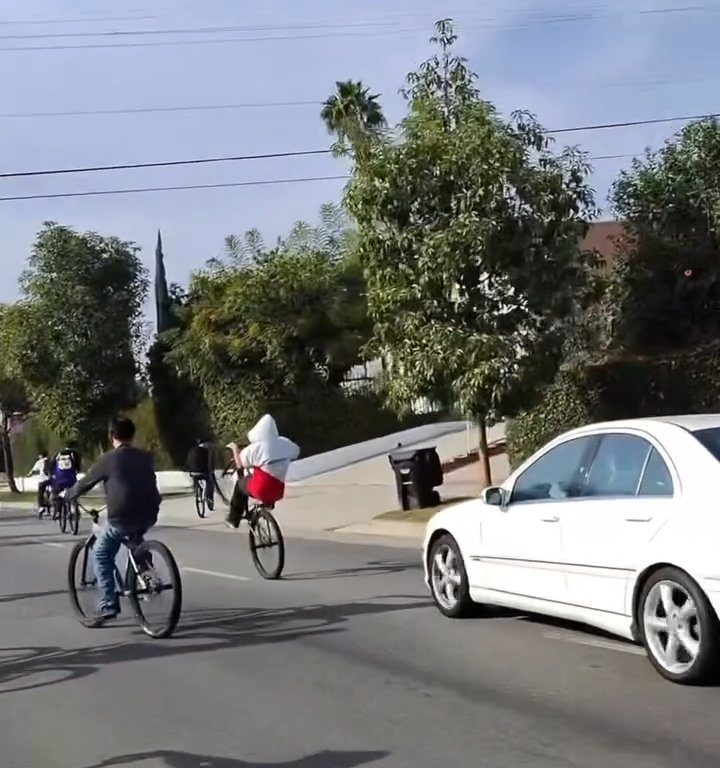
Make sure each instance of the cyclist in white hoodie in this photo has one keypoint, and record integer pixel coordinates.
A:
(261, 468)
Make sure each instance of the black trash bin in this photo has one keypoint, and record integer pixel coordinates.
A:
(417, 473)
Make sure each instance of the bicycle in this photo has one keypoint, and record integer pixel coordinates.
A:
(199, 483)
(47, 503)
(68, 514)
(142, 584)
(264, 532)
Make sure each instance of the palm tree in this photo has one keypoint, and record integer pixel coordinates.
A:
(352, 113)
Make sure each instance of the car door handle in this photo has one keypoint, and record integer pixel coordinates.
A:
(639, 519)
(551, 519)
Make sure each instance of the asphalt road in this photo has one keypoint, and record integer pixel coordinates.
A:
(343, 663)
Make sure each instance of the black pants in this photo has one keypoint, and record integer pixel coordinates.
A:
(239, 501)
(209, 486)
(42, 485)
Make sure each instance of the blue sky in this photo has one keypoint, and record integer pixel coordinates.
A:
(617, 63)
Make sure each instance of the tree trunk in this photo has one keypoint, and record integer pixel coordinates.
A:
(484, 456)
(7, 453)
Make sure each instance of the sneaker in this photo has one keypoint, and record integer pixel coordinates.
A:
(230, 523)
(106, 613)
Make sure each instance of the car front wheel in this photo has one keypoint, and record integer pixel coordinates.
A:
(680, 629)
(448, 579)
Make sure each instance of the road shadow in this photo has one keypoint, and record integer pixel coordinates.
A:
(373, 568)
(31, 595)
(176, 759)
(201, 631)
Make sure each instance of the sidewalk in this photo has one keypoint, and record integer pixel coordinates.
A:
(347, 500)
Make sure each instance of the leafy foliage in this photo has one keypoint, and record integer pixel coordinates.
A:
(273, 333)
(620, 388)
(667, 285)
(353, 115)
(468, 232)
(75, 336)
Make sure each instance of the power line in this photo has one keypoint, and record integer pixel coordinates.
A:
(136, 190)
(76, 20)
(146, 110)
(311, 152)
(488, 23)
(165, 163)
(632, 123)
(220, 185)
(196, 30)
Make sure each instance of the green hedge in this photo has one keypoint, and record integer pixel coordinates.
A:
(630, 387)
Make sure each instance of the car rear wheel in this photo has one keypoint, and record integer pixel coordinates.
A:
(680, 629)
(448, 579)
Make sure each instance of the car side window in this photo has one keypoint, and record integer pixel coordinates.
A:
(656, 480)
(557, 474)
(618, 466)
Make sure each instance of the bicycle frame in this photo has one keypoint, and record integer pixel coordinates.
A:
(123, 588)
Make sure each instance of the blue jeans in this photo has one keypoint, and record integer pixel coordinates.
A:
(107, 546)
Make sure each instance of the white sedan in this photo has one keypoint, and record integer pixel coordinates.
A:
(613, 525)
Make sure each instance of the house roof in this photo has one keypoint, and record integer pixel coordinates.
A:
(602, 237)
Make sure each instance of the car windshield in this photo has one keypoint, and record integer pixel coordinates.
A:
(710, 438)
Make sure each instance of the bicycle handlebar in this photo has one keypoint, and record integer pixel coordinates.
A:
(92, 513)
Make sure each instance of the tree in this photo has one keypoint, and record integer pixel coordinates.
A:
(13, 402)
(352, 114)
(77, 333)
(468, 232)
(665, 293)
(269, 332)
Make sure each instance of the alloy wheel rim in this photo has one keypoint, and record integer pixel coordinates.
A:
(446, 577)
(672, 626)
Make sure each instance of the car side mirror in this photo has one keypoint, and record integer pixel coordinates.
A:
(493, 496)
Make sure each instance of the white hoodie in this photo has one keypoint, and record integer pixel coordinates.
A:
(268, 457)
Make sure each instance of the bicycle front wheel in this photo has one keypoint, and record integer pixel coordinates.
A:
(82, 582)
(63, 515)
(267, 546)
(200, 498)
(74, 517)
(155, 592)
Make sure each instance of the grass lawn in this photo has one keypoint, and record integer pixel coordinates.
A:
(8, 497)
(420, 515)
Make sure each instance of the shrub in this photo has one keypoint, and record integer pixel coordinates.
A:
(629, 387)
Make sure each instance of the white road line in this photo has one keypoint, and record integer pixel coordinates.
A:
(609, 645)
(48, 543)
(217, 574)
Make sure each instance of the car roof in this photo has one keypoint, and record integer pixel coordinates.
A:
(694, 422)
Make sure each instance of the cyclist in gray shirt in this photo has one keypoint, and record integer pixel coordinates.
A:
(133, 503)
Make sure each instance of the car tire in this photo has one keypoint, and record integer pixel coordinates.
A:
(679, 628)
(448, 579)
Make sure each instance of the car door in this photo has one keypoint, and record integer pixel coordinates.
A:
(624, 502)
(520, 548)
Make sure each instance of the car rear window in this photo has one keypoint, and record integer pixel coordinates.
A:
(710, 438)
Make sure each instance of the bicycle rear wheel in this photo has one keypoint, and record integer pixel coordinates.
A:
(267, 546)
(156, 593)
(62, 515)
(74, 516)
(200, 507)
(82, 583)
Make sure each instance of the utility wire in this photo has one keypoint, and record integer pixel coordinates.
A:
(178, 108)
(539, 20)
(632, 123)
(220, 185)
(95, 193)
(196, 30)
(165, 163)
(311, 152)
